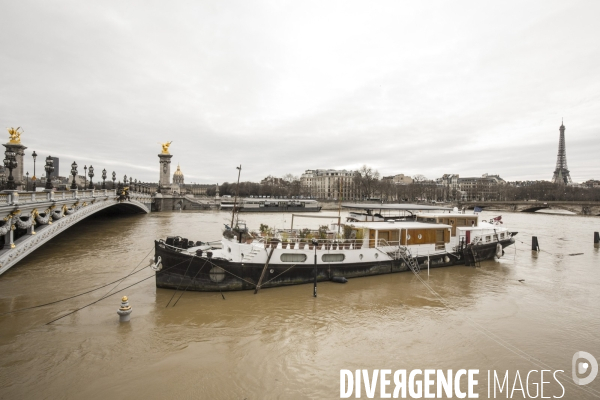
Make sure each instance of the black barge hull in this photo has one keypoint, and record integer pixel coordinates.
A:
(198, 273)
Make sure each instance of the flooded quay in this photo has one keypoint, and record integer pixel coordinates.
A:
(524, 311)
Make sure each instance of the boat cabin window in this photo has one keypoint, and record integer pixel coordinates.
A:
(291, 257)
(333, 257)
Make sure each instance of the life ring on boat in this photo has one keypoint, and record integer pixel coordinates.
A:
(499, 250)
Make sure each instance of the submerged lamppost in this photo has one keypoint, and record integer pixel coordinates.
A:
(49, 167)
(315, 244)
(91, 175)
(10, 162)
(34, 155)
(104, 178)
(74, 173)
(114, 178)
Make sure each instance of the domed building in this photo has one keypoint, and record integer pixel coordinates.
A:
(178, 176)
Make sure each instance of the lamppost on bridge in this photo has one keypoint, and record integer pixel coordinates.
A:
(33, 178)
(114, 178)
(104, 178)
(10, 162)
(91, 175)
(84, 177)
(124, 180)
(135, 185)
(27, 185)
(49, 167)
(74, 173)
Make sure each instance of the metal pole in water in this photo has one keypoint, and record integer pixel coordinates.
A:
(535, 246)
(427, 264)
(315, 286)
(596, 239)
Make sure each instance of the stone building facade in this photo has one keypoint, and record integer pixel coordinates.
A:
(328, 184)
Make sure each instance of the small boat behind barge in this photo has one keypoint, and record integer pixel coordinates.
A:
(240, 261)
(252, 204)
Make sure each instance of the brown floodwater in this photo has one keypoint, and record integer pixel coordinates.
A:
(282, 342)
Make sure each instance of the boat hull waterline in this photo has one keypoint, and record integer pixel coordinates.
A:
(184, 271)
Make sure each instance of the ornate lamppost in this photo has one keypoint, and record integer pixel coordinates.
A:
(135, 185)
(114, 178)
(27, 185)
(49, 167)
(91, 175)
(104, 178)
(124, 180)
(74, 173)
(84, 177)
(10, 162)
(33, 178)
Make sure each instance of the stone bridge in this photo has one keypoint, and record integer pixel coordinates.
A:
(30, 219)
(578, 207)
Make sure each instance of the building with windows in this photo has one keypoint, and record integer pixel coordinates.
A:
(328, 184)
(484, 188)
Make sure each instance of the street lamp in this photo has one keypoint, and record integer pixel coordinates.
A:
(27, 185)
(49, 167)
(114, 178)
(34, 155)
(10, 162)
(84, 177)
(104, 178)
(124, 180)
(91, 175)
(74, 173)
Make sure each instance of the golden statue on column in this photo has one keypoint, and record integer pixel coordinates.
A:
(165, 147)
(15, 135)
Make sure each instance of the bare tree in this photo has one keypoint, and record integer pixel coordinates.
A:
(366, 180)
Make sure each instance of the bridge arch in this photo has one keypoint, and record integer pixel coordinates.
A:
(56, 215)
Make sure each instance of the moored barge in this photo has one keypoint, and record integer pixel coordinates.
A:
(241, 261)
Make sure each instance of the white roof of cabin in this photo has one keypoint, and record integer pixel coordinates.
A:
(386, 226)
(446, 215)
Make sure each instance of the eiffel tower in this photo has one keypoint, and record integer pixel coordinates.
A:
(561, 173)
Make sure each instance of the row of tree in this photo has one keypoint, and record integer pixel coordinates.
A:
(368, 184)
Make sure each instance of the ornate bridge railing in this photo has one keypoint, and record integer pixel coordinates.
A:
(30, 219)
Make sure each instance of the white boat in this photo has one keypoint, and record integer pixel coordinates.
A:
(356, 248)
(252, 204)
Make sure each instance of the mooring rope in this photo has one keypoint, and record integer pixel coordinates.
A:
(188, 285)
(277, 276)
(130, 272)
(109, 295)
(181, 280)
(80, 294)
(231, 273)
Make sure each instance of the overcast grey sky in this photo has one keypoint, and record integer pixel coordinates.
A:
(420, 87)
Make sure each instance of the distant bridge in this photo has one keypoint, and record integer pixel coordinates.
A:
(578, 207)
(30, 219)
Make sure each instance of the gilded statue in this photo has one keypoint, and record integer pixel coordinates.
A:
(165, 147)
(15, 135)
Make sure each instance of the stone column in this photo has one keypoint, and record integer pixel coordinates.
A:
(164, 180)
(17, 173)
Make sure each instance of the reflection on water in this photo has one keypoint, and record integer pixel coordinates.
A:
(283, 343)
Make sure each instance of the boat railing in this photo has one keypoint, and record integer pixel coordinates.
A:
(310, 244)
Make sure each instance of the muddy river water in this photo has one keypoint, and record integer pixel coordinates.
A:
(526, 311)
